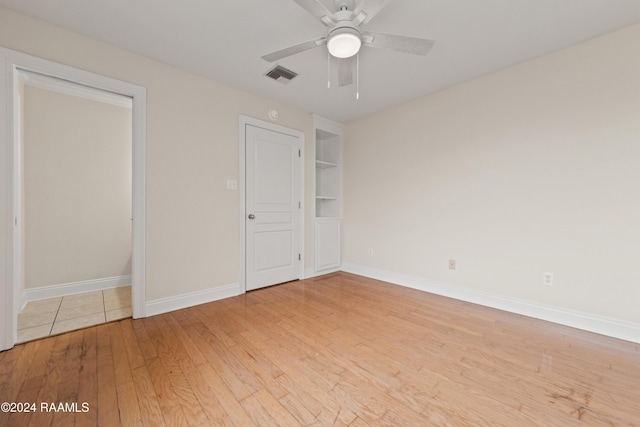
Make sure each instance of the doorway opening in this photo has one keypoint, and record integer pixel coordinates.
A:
(75, 206)
(11, 259)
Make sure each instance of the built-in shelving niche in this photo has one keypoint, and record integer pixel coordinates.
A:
(328, 194)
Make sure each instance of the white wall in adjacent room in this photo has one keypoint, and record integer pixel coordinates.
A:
(77, 188)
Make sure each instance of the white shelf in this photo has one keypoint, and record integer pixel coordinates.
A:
(325, 165)
(326, 198)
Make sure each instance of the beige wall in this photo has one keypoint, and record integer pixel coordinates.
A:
(532, 169)
(77, 188)
(192, 149)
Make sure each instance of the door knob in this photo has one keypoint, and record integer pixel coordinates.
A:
(252, 216)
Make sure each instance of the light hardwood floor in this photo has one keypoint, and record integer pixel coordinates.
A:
(336, 350)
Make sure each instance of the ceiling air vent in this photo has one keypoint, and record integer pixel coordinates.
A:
(281, 74)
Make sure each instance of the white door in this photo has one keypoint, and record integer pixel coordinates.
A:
(272, 207)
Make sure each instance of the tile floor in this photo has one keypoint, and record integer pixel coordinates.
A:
(52, 316)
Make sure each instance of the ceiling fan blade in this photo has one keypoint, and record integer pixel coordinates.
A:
(317, 9)
(345, 71)
(405, 44)
(292, 50)
(367, 9)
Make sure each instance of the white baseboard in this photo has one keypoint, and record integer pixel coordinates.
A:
(310, 273)
(73, 288)
(589, 322)
(164, 305)
(22, 302)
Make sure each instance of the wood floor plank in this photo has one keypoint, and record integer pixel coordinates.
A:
(128, 405)
(122, 368)
(259, 414)
(131, 343)
(212, 320)
(107, 403)
(88, 384)
(26, 380)
(202, 390)
(231, 369)
(14, 384)
(191, 351)
(302, 387)
(260, 366)
(335, 350)
(273, 406)
(167, 346)
(8, 359)
(150, 411)
(144, 341)
(69, 382)
(297, 409)
(122, 354)
(236, 413)
(171, 409)
(11, 384)
(208, 343)
(54, 375)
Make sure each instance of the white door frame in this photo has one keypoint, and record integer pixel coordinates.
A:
(11, 63)
(243, 122)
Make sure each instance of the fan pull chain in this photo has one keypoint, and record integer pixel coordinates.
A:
(357, 76)
(328, 69)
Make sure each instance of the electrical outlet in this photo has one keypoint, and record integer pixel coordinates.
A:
(452, 264)
(370, 251)
(547, 279)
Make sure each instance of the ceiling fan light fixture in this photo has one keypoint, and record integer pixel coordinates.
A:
(344, 42)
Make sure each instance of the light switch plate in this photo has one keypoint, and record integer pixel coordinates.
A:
(232, 184)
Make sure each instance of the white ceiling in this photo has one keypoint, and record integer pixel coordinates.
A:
(224, 39)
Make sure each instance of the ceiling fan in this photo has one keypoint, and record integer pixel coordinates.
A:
(345, 36)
